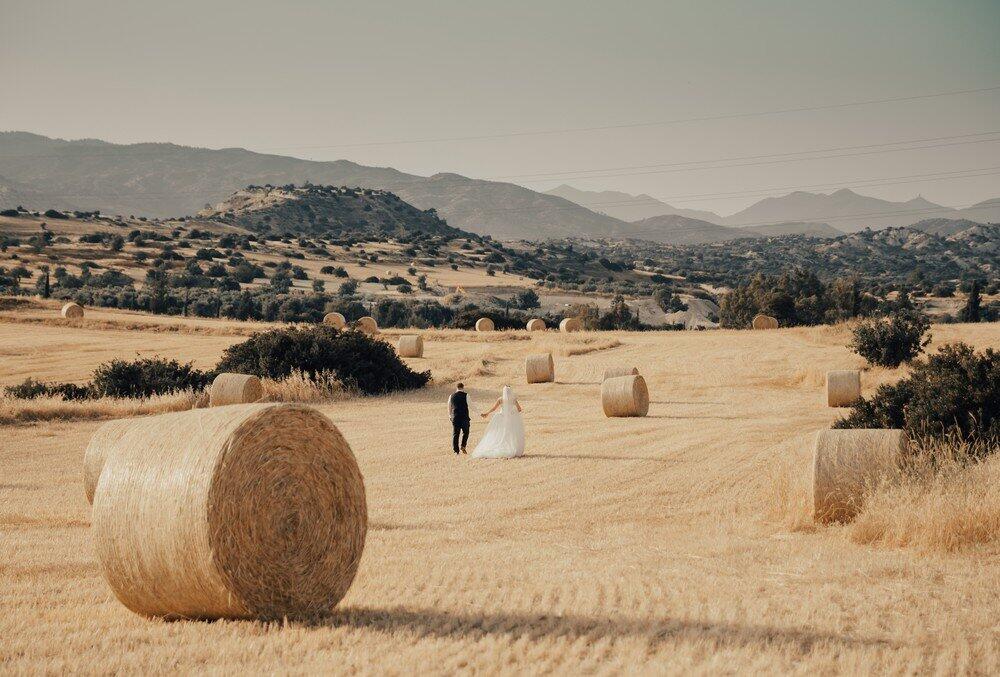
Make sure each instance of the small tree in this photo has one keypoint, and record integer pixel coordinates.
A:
(972, 311)
(890, 341)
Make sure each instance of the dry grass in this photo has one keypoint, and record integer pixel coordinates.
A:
(630, 546)
(300, 388)
(14, 411)
(945, 500)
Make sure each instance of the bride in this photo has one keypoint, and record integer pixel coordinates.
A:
(504, 436)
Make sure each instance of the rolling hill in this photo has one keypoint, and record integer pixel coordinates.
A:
(628, 207)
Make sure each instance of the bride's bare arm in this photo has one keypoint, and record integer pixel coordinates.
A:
(517, 403)
(495, 407)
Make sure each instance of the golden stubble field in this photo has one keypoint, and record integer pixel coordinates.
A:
(640, 545)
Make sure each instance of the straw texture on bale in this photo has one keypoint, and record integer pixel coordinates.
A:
(536, 324)
(843, 387)
(570, 324)
(612, 372)
(234, 389)
(72, 310)
(847, 463)
(410, 345)
(625, 396)
(484, 324)
(255, 511)
(764, 322)
(367, 324)
(540, 368)
(335, 320)
(93, 455)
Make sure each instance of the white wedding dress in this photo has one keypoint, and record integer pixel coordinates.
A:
(504, 436)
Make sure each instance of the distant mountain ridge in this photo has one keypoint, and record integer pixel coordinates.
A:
(628, 207)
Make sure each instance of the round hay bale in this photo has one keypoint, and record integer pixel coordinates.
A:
(570, 324)
(847, 463)
(234, 389)
(540, 368)
(764, 322)
(625, 396)
(335, 320)
(484, 324)
(72, 311)
(843, 387)
(367, 325)
(255, 511)
(93, 456)
(410, 345)
(536, 324)
(612, 372)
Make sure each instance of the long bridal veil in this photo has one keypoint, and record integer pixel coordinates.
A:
(504, 436)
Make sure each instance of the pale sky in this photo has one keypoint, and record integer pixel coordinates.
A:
(330, 80)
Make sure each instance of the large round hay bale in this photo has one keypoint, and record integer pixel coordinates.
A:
(625, 396)
(234, 389)
(612, 372)
(72, 311)
(536, 324)
(484, 324)
(335, 320)
(410, 345)
(570, 324)
(367, 325)
(843, 387)
(540, 368)
(255, 511)
(764, 322)
(93, 456)
(847, 464)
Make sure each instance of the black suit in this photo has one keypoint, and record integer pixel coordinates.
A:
(458, 410)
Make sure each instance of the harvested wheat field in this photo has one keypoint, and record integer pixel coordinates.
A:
(670, 543)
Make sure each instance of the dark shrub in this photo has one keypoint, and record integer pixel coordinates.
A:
(146, 377)
(890, 341)
(955, 391)
(355, 359)
(30, 389)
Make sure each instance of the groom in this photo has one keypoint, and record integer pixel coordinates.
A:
(458, 410)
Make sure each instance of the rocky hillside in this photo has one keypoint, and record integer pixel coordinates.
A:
(327, 211)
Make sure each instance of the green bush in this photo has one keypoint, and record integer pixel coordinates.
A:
(954, 391)
(356, 360)
(146, 377)
(893, 340)
(31, 389)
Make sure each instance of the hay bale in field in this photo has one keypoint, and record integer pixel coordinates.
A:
(484, 324)
(536, 324)
(93, 456)
(335, 320)
(234, 389)
(72, 311)
(612, 372)
(410, 345)
(843, 387)
(847, 463)
(367, 325)
(625, 396)
(255, 511)
(764, 322)
(540, 368)
(570, 324)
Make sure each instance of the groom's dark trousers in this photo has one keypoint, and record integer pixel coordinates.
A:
(459, 428)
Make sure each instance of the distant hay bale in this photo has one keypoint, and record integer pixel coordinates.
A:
(234, 389)
(255, 511)
(536, 324)
(367, 324)
(764, 322)
(410, 345)
(72, 311)
(93, 456)
(335, 320)
(847, 463)
(540, 368)
(570, 324)
(612, 372)
(484, 324)
(625, 396)
(843, 387)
